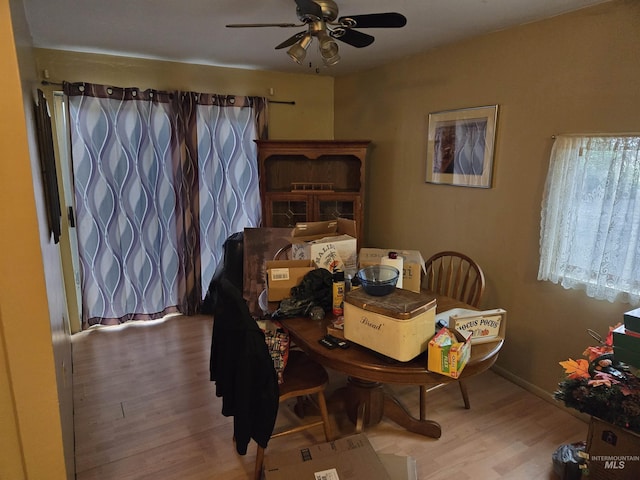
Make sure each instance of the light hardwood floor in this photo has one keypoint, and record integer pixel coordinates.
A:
(145, 409)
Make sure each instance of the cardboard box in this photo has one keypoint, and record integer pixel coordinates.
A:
(632, 320)
(348, 458)
(412, 267)
(398, 325)
(485, 326)
(282, 275)
(331, 245)
(613, 452)
(447, 356)
(259, 246)
(399, 467)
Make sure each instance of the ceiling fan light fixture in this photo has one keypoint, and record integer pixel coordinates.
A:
(320, 17)
(298, 50)
(328, 49)
(331, 61)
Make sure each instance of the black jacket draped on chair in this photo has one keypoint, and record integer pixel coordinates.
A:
(242, 368)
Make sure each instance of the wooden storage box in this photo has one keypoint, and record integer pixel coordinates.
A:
(398, 325)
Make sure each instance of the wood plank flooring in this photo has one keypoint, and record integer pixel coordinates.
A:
(145, 409)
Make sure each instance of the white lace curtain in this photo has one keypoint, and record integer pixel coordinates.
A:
(590, 227)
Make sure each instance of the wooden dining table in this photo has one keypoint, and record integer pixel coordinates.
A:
(366, 400)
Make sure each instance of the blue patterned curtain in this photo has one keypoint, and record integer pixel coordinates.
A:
(125, 151)
(161, 181)
(228, 171)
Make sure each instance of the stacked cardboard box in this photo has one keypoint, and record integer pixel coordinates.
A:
(331, 244)
(283, 275)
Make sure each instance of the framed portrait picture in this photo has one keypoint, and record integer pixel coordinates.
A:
(460, 146)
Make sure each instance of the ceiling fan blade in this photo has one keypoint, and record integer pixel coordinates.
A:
(374, 20)
(291, 40)
(253, 25)
(309, 7)
(352, 37)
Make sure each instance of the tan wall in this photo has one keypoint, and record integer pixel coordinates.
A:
(310, 118)
(573, 73)
(31, 444)
(594, 88)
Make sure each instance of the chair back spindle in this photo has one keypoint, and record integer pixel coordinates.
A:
(455, 275)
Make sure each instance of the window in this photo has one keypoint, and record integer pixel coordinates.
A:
(590, 226)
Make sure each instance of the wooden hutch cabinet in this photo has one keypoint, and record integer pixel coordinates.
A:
(311, 181)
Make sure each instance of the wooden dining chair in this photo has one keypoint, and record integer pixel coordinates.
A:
(302, 377)
(454, 275)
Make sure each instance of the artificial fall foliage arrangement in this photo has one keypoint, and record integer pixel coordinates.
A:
(602, 387)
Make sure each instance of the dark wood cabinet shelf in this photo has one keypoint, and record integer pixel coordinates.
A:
(312, 180)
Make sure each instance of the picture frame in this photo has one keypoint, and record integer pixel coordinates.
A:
(460, 146)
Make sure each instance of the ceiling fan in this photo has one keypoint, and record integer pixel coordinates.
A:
(322, 22)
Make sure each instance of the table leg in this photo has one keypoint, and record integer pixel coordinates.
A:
(364, 401)
(367, 402)
(399, 414)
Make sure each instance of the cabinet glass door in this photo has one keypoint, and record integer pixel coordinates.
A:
(330, 209)
(286, 213)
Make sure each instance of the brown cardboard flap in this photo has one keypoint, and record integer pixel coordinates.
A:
(307, 231)
(288, 263)
(304, 232)
(347, 227)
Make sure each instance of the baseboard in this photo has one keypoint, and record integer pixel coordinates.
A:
(538, 392)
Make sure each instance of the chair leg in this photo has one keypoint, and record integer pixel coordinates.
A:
(423, 402)
(324, 413)
(465, 394)
(259, 461)
(298, 408)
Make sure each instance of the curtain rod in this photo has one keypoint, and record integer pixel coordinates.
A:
(624, 134)
(284, 102)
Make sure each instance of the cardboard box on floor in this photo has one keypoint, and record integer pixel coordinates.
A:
(613, 452)
(331, 244)
(412, 268)
(282, 275)
(399, 467)
(348, 458)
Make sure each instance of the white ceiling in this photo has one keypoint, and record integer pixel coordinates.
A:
(194, 31)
